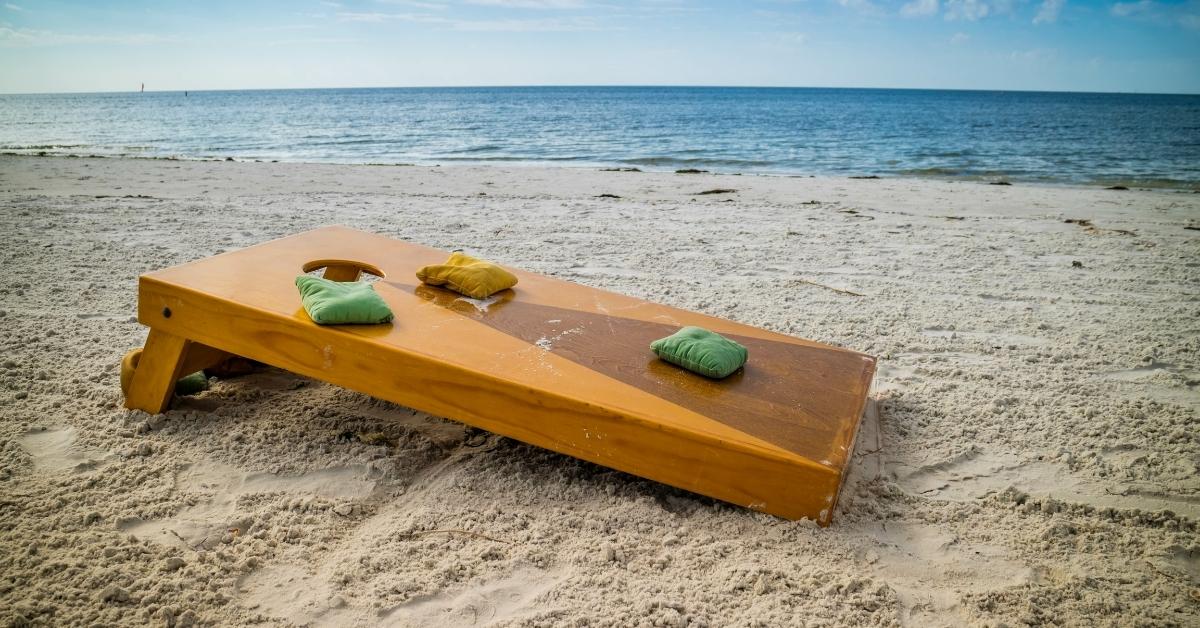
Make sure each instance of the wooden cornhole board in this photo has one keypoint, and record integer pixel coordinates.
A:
(551, 363)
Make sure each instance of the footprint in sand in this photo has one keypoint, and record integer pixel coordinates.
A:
(486, 603)
(288, 592)
(892, 376)
(208, 521)
(995, 339)
(975, 474)
(292, 594)
(55, 450)
(1138, 373)
(943, 358)
(930, 569)
(1162, 381)
(1179, 562)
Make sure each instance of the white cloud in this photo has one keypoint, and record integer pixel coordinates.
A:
(348, 16)
(1048, 12)
(959, 38)
(918, 8)
(27, 37)
(283, 27)
(531, 4)
(312, 41)
(1185, 14)
(1000, 7)
(526, 26)
(865, 7)
(13, 7)
(544, 25)
(1125, 9)
(791, 39)
(969, 10)
(426, 18)
(668, 8)
(416, 4)
(781, 42)
(1034, 55)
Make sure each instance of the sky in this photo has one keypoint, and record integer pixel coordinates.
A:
(1059, 45)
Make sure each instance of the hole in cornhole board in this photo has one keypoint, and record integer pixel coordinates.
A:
(343, 270)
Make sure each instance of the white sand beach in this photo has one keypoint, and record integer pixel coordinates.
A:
(1033, 457)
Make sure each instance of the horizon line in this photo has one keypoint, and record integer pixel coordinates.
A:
(596, 86)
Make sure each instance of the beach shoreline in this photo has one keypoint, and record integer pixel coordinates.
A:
(998, 178)
(1034, 457)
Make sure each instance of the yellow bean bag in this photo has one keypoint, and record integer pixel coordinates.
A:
(469, 276)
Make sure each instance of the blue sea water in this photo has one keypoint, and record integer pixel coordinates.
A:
(1130, 139)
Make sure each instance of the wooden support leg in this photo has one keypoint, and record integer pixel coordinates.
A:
(341, 273)
(198, 357)
(157, 370)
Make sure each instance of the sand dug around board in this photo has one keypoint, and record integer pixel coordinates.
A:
(1034, 459)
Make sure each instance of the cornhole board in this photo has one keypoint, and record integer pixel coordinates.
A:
(551, 363)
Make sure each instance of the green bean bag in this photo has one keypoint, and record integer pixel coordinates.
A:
(701, 351)
(341, 302)
(191, 384)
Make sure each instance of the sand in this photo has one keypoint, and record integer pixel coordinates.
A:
(1032, 457)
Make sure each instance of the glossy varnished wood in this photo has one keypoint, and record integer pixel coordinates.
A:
(158, 367)
(551, 363)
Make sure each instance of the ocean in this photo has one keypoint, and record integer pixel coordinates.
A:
(1095, 139)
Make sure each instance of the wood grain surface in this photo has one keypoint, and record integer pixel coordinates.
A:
(551, 363)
